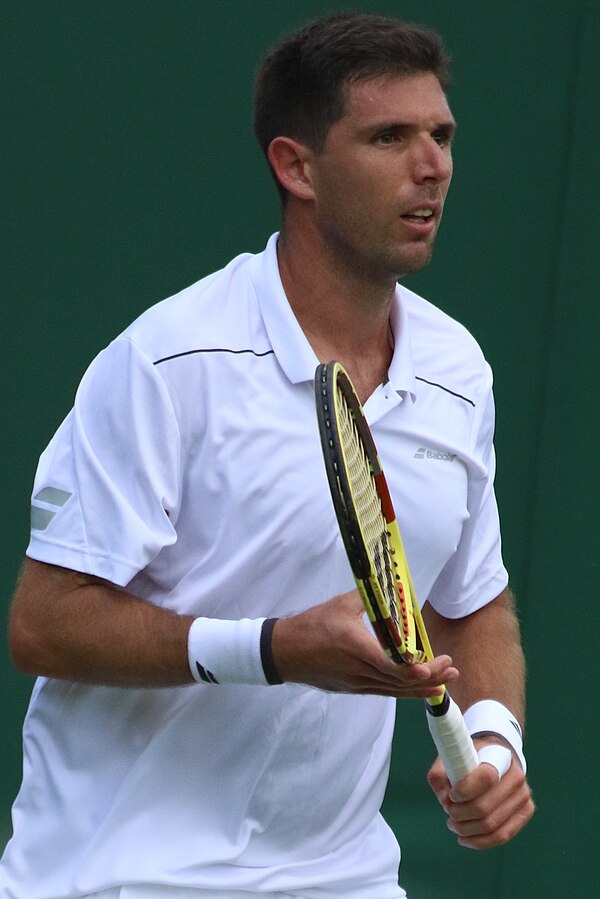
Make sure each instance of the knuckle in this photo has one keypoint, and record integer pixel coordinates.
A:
(488, 774)
(487, 812)
(519, 775)
(509, 829)
(503, 836)
(492, 823)
(528, 811)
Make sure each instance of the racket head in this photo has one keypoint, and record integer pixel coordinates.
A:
(366, 516)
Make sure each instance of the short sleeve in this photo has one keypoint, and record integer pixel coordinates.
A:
(107, 487)
(475, 574)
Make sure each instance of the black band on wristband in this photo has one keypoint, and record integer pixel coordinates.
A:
(266, 652)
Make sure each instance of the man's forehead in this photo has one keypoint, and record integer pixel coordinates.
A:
(389, 96)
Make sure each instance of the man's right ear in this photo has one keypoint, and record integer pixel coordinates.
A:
(291, 163)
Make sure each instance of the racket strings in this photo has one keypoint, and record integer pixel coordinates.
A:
(368, 505)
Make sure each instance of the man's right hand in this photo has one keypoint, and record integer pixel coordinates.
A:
(330, 647)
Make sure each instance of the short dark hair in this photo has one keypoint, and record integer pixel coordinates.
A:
(300, 85)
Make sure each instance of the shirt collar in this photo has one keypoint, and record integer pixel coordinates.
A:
(292, 349)
(401, 372)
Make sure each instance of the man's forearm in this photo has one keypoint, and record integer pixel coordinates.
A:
(69, 625)
(486, 649)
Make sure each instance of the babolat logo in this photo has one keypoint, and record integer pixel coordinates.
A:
(45, 505)
(424, 453)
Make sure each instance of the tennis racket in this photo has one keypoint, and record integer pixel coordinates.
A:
(370, 534)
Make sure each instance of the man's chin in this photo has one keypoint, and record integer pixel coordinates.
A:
(412, 262)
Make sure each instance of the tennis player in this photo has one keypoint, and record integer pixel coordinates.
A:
(213, 717)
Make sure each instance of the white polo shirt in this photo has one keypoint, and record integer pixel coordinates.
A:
(190, 472)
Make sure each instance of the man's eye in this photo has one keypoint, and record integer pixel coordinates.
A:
(442, 138)
(387, 138)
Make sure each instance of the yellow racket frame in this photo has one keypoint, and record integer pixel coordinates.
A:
(362, 503)
(403, 635)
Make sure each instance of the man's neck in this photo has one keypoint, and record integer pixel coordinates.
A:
(344, 317)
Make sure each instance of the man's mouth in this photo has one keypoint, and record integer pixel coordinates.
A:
(419, 216)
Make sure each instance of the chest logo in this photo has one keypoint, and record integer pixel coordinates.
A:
(424, 453)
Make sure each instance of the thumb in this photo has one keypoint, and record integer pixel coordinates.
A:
(438, 780)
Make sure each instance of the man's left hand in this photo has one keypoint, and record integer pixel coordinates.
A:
(482, 810)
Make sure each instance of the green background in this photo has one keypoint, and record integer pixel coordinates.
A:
(131, 171)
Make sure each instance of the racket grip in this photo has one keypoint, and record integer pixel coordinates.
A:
(452, 739)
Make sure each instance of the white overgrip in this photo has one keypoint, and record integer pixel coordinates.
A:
(453, 741)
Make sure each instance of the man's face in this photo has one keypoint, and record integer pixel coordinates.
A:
(382, 177)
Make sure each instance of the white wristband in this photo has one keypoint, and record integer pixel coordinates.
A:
(232, 652)
(491, 717)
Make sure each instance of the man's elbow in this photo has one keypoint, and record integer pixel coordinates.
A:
(25, 642)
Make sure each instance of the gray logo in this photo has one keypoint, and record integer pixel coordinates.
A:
(424, 453)
(50, 496)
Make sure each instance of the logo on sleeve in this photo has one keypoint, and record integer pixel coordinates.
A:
(46, 503)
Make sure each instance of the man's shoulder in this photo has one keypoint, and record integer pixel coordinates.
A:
(429, 320)
(443, 349)
(206, 314)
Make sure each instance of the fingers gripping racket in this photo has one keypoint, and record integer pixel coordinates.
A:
(374, 547)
